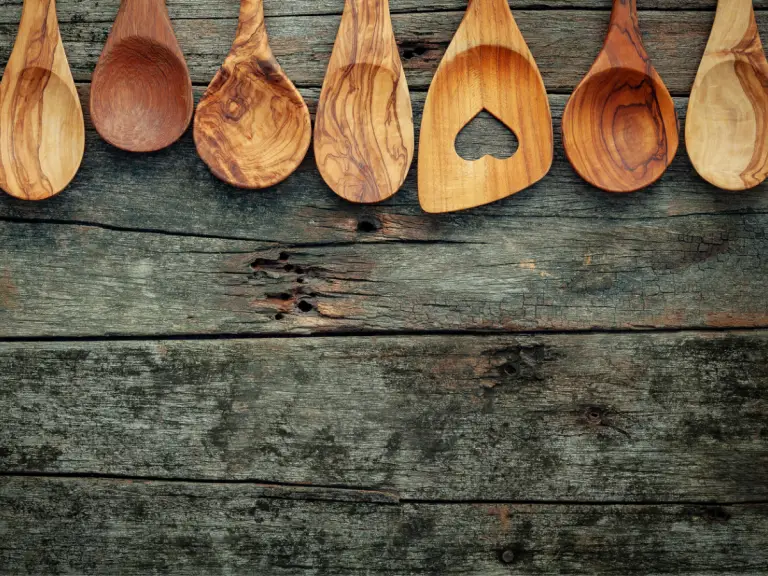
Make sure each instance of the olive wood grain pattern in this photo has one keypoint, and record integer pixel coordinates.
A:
(488, 66)
(252, 126)
(620, 128)
(364, 134)
(141, 91)
(42, 134)
(727, 126)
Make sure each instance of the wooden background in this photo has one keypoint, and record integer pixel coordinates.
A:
(198, 380)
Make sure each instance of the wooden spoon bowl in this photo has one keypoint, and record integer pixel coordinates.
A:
(141, 92)
(727, 122)
(620, 128)
(42, 134)
(252, 126)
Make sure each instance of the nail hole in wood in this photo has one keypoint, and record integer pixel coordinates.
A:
(508, 556)
(511, 369)
(305, 306)
(284, 256)
(279, 316)
(595, 416)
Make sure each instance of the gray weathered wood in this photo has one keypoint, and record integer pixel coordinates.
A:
(564, 43)
(126, 194)
(665, 417)
(50, 526)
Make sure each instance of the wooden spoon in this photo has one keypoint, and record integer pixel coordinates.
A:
(488, 66)
(141, 92)
(620, 128)
(364, 138)
(252, 126)
(42, 135)
(727, 124)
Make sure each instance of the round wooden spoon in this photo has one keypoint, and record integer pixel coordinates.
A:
(727, 124)
(487, 66)
(364, 140)
(42, 135)
(141, 92)
(252, 126)
(620, 128)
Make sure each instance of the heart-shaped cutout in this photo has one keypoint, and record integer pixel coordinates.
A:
(486, 135)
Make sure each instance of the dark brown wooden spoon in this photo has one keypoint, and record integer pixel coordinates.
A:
(141, 92)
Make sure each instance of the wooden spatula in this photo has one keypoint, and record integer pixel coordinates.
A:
(364, 139)
(42, 135)
(141, 92)
(252, 127)
(620, 128)
(727, 124)
(487, 66)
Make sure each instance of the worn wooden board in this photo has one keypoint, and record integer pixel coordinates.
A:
(664, 417)
(170, 250)
(76, 526)
(564, 43)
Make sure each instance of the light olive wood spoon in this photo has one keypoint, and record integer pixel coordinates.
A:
(364, 139)
(727, 124)
(620, 128)
(141, 92)
(42, 135)
(252, 126)
(488, 66)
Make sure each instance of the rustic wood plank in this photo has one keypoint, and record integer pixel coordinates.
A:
(52, 526)
(569, 275)
(665, 417)
(564, 43)
(75, 11)
(194, 202)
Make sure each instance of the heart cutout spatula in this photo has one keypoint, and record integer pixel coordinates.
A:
(141, 92)
(364, 140)
(620, 128)
(727, 124)
(42, 135)
(252, 126)
(487, 66)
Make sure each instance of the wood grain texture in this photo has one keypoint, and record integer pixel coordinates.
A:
(487, 66)
(675, 40)
(141, 95)
(364, 134)
(78, 11)
(602, 417)
(727, 126)
(620, 129)
(252, 126)
(42, 135)
(49, 526)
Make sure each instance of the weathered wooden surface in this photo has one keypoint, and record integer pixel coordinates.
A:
(405, 454)
(110, 527)
(564, 42)
(669, 417)
(558, 257)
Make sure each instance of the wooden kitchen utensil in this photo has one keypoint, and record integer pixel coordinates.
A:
(141, 92)
(42, 135)
(364, 138)
(620, 128)
(727, 124)
(252, 126)
(488, 66)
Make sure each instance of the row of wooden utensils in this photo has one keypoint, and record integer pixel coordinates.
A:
(253, 129)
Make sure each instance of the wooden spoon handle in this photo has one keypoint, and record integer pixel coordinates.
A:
(624, 42)
(735, 28)
(366, 33)
(251, 30)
